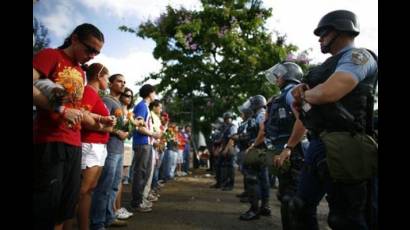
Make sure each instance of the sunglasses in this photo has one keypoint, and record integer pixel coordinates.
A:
(90, 49)
(126, 95)
(324, 33)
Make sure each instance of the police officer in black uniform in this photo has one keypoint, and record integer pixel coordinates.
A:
(243, 139)
(257, 176)
(283, 132)
(337, 99)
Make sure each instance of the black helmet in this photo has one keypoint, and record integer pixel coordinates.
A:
(257, 102)
(227, 115)
(341, 20)
(289, 71)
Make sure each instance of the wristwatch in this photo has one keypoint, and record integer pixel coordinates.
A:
(286, 146)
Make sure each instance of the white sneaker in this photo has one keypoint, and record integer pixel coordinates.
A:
(124, 210)
(119, 214)
(146, 204)
(152, 198)
(184, 174)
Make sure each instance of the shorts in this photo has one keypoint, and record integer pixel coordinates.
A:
(93, 155)
(56, 183)
(180, 158)
(128, 154)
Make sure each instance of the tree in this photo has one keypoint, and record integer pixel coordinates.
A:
(215, 56)
(41, 36)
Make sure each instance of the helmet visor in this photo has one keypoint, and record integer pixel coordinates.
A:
(244, 106)
(273, 73)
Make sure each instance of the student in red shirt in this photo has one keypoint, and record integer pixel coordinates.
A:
(94, 139)
(56, 128)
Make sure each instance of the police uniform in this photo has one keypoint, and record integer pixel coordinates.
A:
(345, 201)
(257, 179)
(278, 128)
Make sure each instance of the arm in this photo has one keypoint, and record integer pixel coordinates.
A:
(332, 90)
(40, 100)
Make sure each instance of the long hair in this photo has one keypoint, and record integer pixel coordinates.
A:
(83, 31)
(132, 97)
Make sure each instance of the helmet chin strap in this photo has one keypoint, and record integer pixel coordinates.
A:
(326, 48)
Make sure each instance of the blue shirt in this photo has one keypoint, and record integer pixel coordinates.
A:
(140, 111)
(358, 62)
(260, 116)
(289, 98)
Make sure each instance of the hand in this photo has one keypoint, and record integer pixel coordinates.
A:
(73, 116)
(156, 135)
(249, 148)
(58, 92)
(298, 92)
(282, 157)
(122, 135)
(108, 120)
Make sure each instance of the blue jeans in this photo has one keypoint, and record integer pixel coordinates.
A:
(155, 177)
(172, 164)
(102, 213)
(163, 169)
(185, 165)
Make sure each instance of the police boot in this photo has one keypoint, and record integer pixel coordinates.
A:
(265, 210)
(251, 214)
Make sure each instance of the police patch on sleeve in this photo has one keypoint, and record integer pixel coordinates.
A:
(359, 56)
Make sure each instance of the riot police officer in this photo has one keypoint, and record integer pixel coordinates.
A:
(243, 139)
(257, 176)
(225, 174)
(336, 105)
(284, 133)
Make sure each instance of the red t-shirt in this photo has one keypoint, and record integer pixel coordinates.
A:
(92, 100)
(60, 68)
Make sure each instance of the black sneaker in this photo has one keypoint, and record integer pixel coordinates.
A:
(249, 215)
(265, 211)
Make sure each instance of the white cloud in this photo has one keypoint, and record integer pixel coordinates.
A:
(298, 18)
(134, 66)
(62, 19)
(141, 9)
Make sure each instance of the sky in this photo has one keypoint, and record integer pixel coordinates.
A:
(131, 56)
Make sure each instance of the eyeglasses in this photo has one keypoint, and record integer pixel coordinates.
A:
(127, 95)
(90, 49)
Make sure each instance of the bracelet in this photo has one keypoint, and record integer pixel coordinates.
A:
(288, 147)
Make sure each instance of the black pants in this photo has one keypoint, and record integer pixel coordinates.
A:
(288, 182)
(142, 162)
(56, 184)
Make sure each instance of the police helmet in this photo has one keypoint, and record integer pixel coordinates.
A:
(227, 115)
(257, 102)
(245, 108)
(341, 20)
(289, 71)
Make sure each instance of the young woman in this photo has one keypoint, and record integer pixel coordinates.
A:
(56, 133)
(94, 139)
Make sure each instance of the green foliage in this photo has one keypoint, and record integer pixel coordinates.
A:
(40, 33)
(212, 58)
